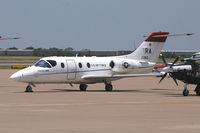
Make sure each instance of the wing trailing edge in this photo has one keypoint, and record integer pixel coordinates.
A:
(119, 76)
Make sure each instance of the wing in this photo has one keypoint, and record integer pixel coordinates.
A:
(119, 76)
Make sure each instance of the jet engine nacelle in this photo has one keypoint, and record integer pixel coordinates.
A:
(123, 65)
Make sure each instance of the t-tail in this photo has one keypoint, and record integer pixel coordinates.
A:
(150, 49)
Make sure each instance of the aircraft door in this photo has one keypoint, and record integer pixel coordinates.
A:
(71, 69)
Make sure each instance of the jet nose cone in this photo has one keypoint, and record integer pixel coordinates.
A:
(16, 76)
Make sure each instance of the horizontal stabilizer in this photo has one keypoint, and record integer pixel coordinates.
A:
(184, 34)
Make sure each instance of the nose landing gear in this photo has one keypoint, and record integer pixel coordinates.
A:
(185, 91)
(29, 88)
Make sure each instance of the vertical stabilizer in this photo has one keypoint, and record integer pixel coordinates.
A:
(150, 49)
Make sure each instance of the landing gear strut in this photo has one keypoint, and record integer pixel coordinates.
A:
(185, 91)
(29, 88)
(197, 90)
(108, 87)
(83, 87)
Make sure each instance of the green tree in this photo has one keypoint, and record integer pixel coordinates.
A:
(69, 49)
(30, 48)
(12, 48)
(53, 48)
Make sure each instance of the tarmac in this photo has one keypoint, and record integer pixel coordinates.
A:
(138, 105)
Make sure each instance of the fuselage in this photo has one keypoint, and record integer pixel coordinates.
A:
(188, 77)
(72, 69)
(89, 70)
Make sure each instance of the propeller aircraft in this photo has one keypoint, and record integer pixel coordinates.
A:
(188, 72)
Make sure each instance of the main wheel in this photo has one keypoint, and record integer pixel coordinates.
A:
(198, 92)
(109, 87)
(185, 92)
(28, 89)
(83, 87)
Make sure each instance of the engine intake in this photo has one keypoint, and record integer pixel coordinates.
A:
(112, 64)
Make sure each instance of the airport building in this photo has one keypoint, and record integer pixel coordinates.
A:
(181, 52)
(47, 52)
(16, 52)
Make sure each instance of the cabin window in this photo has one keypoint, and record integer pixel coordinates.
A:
(62, 65)
(52, 62)
(88, 65)
(42, 63)
(80, 65)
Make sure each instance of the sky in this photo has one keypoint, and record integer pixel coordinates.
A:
(98, 24)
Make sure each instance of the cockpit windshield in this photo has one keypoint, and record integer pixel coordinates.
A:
(42, 63)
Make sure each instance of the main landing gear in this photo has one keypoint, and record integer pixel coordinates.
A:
(185, 91)
(83, 87)
(108, 87)
(197, 90)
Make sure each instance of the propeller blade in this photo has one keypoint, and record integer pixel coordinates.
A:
(164, 61)
(163, 77)
(174, 79)
(177, 58)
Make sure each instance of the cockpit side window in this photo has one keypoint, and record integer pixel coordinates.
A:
(52, 62)
(42, 63)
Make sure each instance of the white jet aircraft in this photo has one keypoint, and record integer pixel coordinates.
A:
(90, 70)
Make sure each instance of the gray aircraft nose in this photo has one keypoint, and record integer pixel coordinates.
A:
(16, 76)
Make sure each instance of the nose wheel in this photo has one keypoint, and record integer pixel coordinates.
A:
(29, 89)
